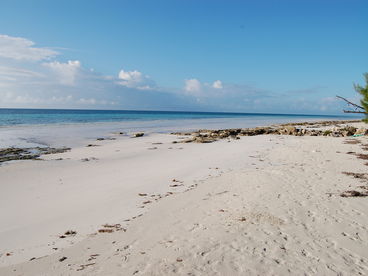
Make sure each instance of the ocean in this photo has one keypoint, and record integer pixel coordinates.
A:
(62, 127)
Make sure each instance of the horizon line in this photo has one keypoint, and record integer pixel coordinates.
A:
(182, 111)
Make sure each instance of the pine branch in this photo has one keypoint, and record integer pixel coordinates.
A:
(353, 104)
(352, 111)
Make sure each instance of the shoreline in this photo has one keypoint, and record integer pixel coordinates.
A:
(171, 170)
(74, 135)
(204, 136)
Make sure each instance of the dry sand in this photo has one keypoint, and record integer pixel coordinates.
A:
(264, 205)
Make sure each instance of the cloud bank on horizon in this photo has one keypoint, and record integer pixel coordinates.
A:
(38, 77)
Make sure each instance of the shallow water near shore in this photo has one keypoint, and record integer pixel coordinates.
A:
(69, 128)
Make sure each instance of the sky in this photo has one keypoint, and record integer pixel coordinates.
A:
(266, 56)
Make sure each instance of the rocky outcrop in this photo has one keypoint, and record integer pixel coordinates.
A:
(300, 129)
(10, 154)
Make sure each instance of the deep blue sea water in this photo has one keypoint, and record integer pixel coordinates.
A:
(55, 127)
(11, 117)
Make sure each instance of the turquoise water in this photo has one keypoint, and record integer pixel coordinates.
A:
(47, 127)
(11, 117)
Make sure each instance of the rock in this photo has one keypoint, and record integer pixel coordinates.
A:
(138, 134)
(288, 130)
(204, 140)
(224, 135)
(10, 154)
(348, 131)
(308, 129)
(188, 140)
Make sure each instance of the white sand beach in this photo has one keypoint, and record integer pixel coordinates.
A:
(261, 205)
(183, 138)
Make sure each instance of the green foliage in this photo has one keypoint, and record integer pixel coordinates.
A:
(364, 92)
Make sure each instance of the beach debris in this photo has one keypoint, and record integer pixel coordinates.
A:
(176, 185)
(92, 145)
(152, 148)
(176, 181)
(146, 202)
(62, 259)
(105, 230)
(157, 143)
(105, 138)
(243, 219)
(221, 193)
(138, 134)
(93, 257)
(110, 228)
(352, 142)
(362, 156)
(142, 194)
(362, 176)
(179, 260)
(352, 193)
(68, 233)
(83, 266)
(361, 132)
(88, 159)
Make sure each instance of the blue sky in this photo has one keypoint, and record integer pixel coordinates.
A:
(244, 56)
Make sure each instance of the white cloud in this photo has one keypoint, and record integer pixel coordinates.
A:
(13, 73)
(217, 84)
(135, 79)
(130, 77)
(28, 79)
(192, 85)
(19, 48)
(66, 73)
(90, 101)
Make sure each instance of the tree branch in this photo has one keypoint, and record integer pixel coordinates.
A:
(352, 111)
(353, 104)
